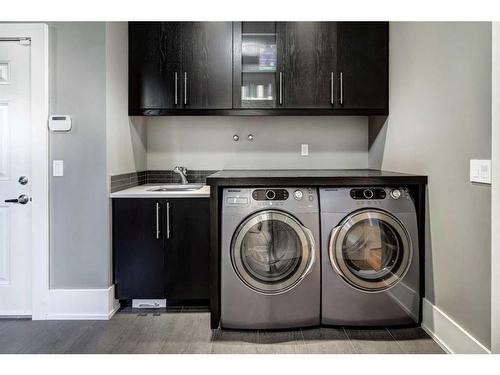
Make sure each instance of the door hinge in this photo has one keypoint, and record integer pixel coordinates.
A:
(25, 41)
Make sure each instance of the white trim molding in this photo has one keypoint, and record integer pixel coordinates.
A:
(82, 304)
(449, 334)
(495, 189)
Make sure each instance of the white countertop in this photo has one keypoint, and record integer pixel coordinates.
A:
(143, 191)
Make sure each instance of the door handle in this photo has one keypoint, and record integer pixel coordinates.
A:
(331, 88)
(185, 87)
(281, 88)
(341, 88)
(176, 83)
(168, 220)
(158, 221)
(22, 199)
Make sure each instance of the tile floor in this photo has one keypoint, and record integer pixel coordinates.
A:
(188, 331)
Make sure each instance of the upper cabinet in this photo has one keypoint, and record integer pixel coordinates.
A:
(207, 65)
(179, 66)
(363, 65)
(257, 63)
(258, 68)
(154, 66)
(309, 70)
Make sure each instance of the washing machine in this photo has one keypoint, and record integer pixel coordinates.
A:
(370, 257)
(270, 258)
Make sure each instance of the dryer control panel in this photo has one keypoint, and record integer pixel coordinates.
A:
(393, 199)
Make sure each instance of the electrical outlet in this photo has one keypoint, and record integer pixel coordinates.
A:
(480, 171)
(304, 149)
(57, 168)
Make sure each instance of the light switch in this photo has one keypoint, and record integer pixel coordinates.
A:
(480, 171)
(304, 149)
(57, 168)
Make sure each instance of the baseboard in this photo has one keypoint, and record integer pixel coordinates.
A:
(15, 315)
(447, 333)
(82, 304)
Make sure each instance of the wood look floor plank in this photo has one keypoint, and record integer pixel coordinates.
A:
(20, 334)
(235, 342)
(54, 337)
(189, 332)
(326, 340)
(373, 341)
(415, 340)
(103, 336)
(281, 342)
(146, 335)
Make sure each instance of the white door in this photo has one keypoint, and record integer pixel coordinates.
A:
(15, 163)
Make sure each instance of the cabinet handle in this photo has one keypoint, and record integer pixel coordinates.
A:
(176, 83)
(185, 87)
(331, 87)
(341, 88)
(281, 88)
(157, 220)
(168, 220)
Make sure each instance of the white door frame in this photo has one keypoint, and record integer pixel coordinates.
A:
(39, 65)
(495, 190)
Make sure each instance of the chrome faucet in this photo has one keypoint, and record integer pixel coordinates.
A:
(183, 173)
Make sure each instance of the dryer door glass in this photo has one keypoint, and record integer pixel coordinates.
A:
(371, 250)
(271, 252)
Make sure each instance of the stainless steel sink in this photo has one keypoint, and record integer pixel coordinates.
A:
(173, 187)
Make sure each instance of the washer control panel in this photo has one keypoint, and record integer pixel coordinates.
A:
(270, 194)
(296, 199)
(368, 193)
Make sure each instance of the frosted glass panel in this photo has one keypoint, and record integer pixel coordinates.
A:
(259, 60)
(4, 72)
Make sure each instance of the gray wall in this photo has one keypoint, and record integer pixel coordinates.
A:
(79, 230)
(126, 136)
(207, 143)
(440, 117)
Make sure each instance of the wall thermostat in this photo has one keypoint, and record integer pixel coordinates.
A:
(60, 123)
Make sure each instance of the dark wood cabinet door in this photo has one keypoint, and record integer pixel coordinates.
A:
(207, 65)
(138, 248)
(154, 63)
(363, 51)
(187, 249)
(310, 61)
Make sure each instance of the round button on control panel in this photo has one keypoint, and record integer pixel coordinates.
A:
(368, 193)
(270, 194)
(297, 194)
(396, 193)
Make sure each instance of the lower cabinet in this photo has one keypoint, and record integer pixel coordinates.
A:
(160, 248)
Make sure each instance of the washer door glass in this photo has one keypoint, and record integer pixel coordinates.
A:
(371, 250)
(272, 252)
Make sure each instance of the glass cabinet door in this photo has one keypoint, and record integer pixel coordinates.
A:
(256, 65)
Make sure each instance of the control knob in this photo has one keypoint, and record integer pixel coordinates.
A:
(270, 194)
(395, 193)
(297, 194)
